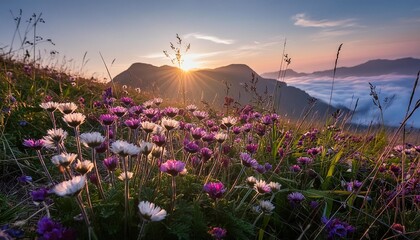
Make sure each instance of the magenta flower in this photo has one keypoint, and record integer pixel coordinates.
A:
(171, 111)
(118, 111)
(111, 163)
(107, 119)
(127, 101)
(214, 189)
(304, 160)
(295, 198)
(191, 147)
(35, 144)
(248, 161)
(173, 167)
(132, 123)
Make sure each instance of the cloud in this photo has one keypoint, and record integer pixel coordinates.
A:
(302, 20)
(210, 38)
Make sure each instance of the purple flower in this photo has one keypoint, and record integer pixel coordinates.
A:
(353, 185)
(210, 123)
(127, 101)
(295, 168)
(304, 160)
(266, 120)
(314, 151)
(236, 130)
(208, 137)
(336, 228)
(191, 147)
(173, 167)
(118, 111)
(218, 233)
(159, 140)
(295, 198)
(214, 189)
(260, 129)
(260, 169)
(252, 148)
(48, 226)
(247, 160)
(39, 195)
(24, 179)
(136, 110)
(206, 153)
(197, 133)
(132, 123)
(107, 119)
(7, 233)
(35, 144)
(23, 123)
(111, 163)
(171, 111)
(150, 112)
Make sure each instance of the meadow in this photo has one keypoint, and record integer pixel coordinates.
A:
(81, 159)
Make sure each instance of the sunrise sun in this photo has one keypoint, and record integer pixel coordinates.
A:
(189, 64)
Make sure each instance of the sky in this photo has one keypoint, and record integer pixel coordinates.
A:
(220, 32)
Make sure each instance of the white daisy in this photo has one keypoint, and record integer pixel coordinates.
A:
(150, 212)
(70, 187)
(74, 119)
(64, 159)
(83, 167)
(124, 148)
(92, 139)
(66, 108)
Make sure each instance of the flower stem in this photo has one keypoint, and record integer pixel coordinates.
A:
(100, 188)
(41, 159)
(141, 230)
(173, 193)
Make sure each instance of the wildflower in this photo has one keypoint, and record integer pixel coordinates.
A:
(266, 120)
(148, 104)
(150, 212)
(304, 160)
(229, 121)
(111, 163)
(169, 124)
(246, 127)
(236, 130)
(171, 111)
(127, 101)
(74, 119)
(67, 108)
(148, 127)
(336, 228)
(353, 185)
(124, 148)
(39, 195)
(274, 186)
(217, 233)
(260, 168)
(92, 139)
(247, 160)
(150, 112)
(35, 144)
(173, 167)
(70, 187)
(252, 148)
(64, 159)
(210, 123)
(136, 110)
(123, 175)
(145, 147)
(214, 189)
(107, 119)
(197, 133)
(118, 111)
(250, 181)
(295, 168)
(191, 146)
(314, 151)
(295, 198)
(54, 137)
(7, 233)
(200, 115)
(265, 207)
(132, 123)
(206, 153)
(159, 139)
(191, 108)
(49, 106)
(83, 167)
(221, 137)
(24, 179)
(262, 187)
(208, 137)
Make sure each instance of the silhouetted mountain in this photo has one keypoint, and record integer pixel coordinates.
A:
(212, 85)
(378, 67)
(288, 73)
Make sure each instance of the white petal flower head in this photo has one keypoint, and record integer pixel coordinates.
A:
(64, 159)
(55, 137)
(266, 207)
(49, 106)
(221, 137)
(150, 212)
(148, 127)
(92, 139)
(169, 123)
(124, 148)
(84, 167)
(229, 121)
(146, 147)
(74, 119)
(71, 187)
(66, 108)
(275, 186)
(123, 176)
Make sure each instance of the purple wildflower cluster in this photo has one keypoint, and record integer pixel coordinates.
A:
(51, 230)
(336, 228)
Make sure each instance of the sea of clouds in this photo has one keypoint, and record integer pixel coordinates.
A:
(393, 90)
